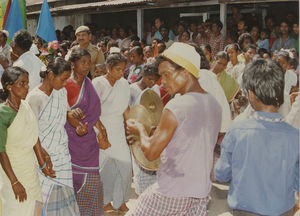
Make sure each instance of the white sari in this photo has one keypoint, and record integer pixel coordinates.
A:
(115, 162)
(22, 135)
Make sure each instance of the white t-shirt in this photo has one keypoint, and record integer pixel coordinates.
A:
(33, 65)
(208, 81)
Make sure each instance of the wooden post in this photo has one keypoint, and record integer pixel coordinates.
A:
(140, 22)
(223, 17)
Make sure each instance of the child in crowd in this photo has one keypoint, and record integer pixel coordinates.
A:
(149, 79)
(149, 54)
(137, 59)
(100, 70)
(261, 183)
(263, 53)
(161, 47)
(243, 41)
(264, 37)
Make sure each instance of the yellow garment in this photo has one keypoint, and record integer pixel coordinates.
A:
(229, 85)
(22, 136)
(241, 58)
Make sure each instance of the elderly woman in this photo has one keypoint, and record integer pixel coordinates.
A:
(84, 150)
(20, 190)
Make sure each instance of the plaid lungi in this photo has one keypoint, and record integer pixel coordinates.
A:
(153, 203)
(90, 196)
(142, 178)
(61, 201)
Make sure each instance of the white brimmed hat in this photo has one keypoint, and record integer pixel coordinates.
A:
(185, 56)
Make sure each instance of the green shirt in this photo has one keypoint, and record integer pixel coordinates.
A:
(7, 116)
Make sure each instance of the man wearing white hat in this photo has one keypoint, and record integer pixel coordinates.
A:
(185, 139)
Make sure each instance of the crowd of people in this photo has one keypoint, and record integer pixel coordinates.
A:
(231, 113)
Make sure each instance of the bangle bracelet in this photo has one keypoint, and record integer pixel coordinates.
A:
(44, 165)
(16, 182)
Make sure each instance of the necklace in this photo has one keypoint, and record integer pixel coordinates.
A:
(12, 105)
(256, 116)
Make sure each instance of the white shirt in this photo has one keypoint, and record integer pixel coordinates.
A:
(136, 93)
(290, 79)
(208, 81)
(33, 65)
(293, 117)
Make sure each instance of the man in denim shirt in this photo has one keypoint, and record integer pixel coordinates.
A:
(285, 41)
(260, 155)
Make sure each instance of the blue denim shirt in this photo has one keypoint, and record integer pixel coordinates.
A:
(289, 44)
(261, 159)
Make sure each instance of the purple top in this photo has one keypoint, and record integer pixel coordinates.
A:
(186, 162)
(84, 150)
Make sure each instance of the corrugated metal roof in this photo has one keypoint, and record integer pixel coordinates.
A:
(110, 3)
(37, 2)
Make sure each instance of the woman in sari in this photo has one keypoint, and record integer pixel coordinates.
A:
(84, 150)
(20, 189)
(115, 162)
(50, 105)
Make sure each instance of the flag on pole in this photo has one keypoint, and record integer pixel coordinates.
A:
(45, 27)
(14, 20)
(6, 13)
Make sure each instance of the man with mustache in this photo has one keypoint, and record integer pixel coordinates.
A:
(83, 37)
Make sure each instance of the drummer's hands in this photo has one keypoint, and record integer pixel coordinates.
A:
(133, 128)
(82, 129)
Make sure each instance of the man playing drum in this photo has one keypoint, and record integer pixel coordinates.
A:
(185, 140)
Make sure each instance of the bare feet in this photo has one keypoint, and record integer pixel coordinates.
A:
(123, 208)
(108, 207)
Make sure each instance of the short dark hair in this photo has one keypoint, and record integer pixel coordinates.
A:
(23, 39)
(265, 79)
(9, 77)
(138, 50)
(57, 66)
(163, 26)
(151, 69)
(266, 31)
(218, 23)
(77, 53)
(222, 55)
(114, 59)
(4, 35)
